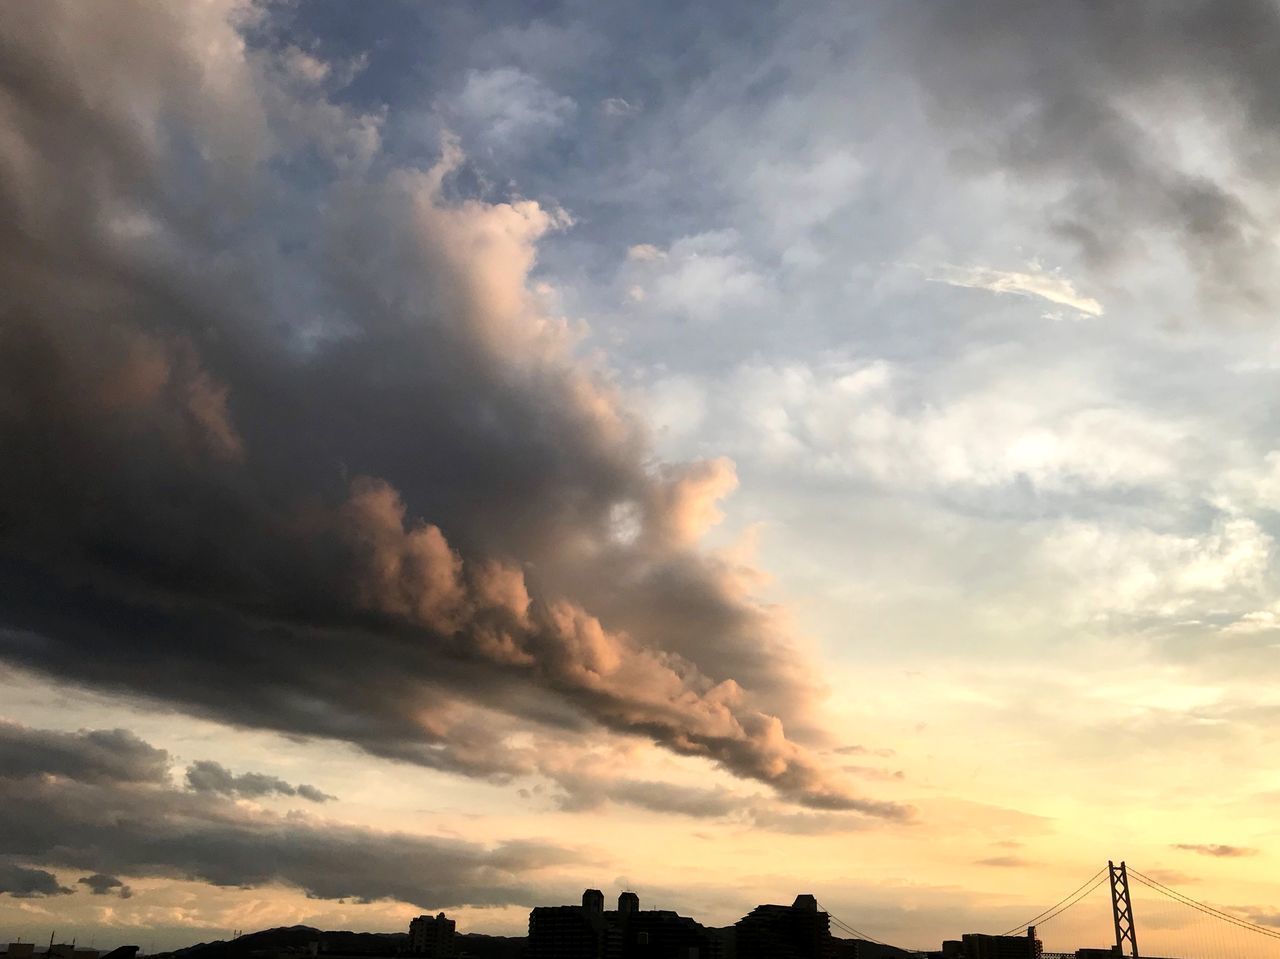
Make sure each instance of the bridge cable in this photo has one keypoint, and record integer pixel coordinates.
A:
(1084, 895)
(844, 926)
(1202, 907)
(1211, 912)
(1041, 917)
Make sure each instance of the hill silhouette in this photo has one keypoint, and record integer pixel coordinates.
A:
(286, 939)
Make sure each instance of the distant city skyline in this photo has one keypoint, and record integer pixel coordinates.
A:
(454, 455)
(632, 930)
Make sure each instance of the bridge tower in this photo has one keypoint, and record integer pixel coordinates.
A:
(1122, 910)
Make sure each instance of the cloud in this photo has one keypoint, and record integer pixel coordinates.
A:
(336, 442)
(101, 885)
(805, 823)
(1076, 107)
(855, 418)
(617, 107)
(1005, 862)
(706, 277)
(1047, 285)
(858, 750)
(577, 781)
(22, 882)
(645, 253)
(152, 828)
(1142, 571)
(1217, 851)
(208, 776)
(507, 109)
(103, 755)
(583, 792)
(590, 792)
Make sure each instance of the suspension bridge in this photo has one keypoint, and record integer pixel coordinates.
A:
(1173, 925)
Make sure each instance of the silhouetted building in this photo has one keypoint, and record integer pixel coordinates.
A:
(64, 950)
(798, 931)
(568, 932)
(589, 932)
(658, 934)
(432, 936)
(69, 950)
(866, 949)
(976, 945)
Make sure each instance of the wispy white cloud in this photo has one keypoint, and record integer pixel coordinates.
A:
(1049, 285)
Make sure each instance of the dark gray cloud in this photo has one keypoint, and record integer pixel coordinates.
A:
(307, 791)
(234, 405)
(102, 755)
(208, 776)
(23, 882)
(1216, 850)
(102, 885)
(151, 828)
(1107, 112)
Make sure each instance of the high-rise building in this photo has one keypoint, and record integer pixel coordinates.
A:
(568, 932)
(797, 931)
(433, 936)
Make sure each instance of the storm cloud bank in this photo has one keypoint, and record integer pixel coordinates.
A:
(292, 440)
(64, 817)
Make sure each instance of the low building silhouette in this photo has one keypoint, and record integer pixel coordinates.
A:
(976, 945)
(62, 950)
(433, 936)
(65, 950)
(797, 931)
(629, 932)
(866, 949)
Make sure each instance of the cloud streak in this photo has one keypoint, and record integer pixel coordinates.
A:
(1037, 282)
(1217, 851)
(208, 776)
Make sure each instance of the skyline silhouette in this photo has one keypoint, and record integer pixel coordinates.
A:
(801, 930)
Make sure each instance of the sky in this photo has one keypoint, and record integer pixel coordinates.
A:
(458, 454)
